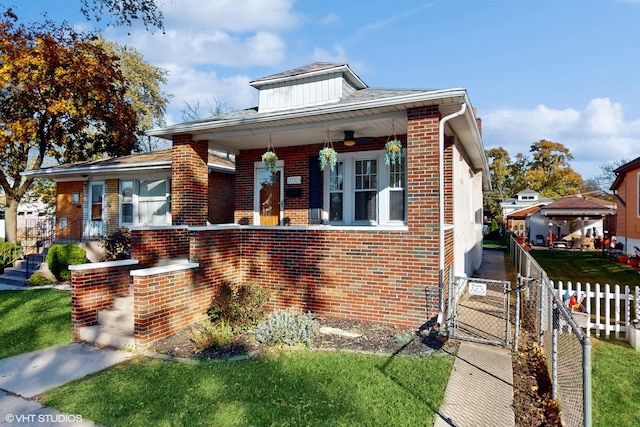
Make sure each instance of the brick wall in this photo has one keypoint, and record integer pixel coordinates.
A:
(189, 183)
(148, 245)
(167, 302)
(113, 204)
(93, 289)
(221, 197)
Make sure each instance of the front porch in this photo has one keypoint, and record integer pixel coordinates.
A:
(386, 276)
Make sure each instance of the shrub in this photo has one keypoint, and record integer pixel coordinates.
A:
(287, 327)
(60, 257)
(117, 244)
(239, 305)
(38, 279)
(9, 252)
(205, 335)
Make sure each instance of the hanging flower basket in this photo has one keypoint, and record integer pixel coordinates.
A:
(328, 155)
(270, 160)
(394, 152)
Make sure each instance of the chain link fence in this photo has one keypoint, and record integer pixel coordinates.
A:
(567, 349)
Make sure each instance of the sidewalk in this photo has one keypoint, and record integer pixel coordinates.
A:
(25, 376)
(480, 388)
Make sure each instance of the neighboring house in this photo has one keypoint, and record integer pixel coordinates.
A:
(365, 240)
(28, 215)
(582, 220)
(513, 207)
(626, 188)
(97, 197)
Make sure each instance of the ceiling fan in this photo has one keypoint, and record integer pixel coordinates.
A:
(350, 140)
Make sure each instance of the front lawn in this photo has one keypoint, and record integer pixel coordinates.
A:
(33, 319)
(294, 388)
(616, 384)
(583, 267)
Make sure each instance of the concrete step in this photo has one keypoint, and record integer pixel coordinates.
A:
(7, 279)
(111, 337)
(16, 272)
(117, 319)
(123, 304)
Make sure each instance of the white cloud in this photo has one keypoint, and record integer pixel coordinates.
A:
(205, 87)
(231, 15)
(597, 135)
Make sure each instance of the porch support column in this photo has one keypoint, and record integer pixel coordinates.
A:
(189, 181)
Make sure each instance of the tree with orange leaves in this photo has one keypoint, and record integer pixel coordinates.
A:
(63, 98)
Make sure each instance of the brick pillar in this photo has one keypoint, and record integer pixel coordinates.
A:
(113, 204)
(189, 181)
(422, 191)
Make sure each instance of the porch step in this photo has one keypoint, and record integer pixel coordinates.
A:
(102, 335)
(116, 319)
(115, 327)
(123, 304)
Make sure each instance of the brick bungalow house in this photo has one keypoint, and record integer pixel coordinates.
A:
(96, 197)
(626, 188)
(365, 240)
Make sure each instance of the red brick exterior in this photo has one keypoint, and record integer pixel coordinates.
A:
(189, 183)
(367, 274)
(152, 244)
(221, 197)
(93, 290)
(166, 303)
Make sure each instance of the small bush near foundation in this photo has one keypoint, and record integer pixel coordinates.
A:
(60, 257)
(38, 279)
(239, 305)
(287, 327)
(117, 244)
(205, 335)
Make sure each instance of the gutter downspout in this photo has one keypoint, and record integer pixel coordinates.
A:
(441, 207)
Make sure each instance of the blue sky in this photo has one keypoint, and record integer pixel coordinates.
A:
(562, 70)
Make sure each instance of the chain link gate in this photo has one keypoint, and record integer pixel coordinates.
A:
(479, 310)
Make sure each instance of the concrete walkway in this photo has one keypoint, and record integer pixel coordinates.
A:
(480, 388)
(25, 376)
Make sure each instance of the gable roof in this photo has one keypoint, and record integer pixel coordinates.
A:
(577, 205)
(621, 172)
(525, 212)
(309, 71)
(155, 160)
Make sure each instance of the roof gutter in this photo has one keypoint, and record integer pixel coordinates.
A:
(441, 254)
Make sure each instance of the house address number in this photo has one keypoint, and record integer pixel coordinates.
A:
(479, 289)
(294, 180)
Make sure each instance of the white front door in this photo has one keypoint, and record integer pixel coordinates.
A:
(95, 225)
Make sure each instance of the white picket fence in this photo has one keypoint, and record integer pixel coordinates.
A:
(611, 311)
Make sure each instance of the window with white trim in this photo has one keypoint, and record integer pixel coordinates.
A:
(144, 202)
(363, 190)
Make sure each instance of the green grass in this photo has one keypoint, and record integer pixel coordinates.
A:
(33, 319)
(585, 267)
(616, 384)
(294, 388)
